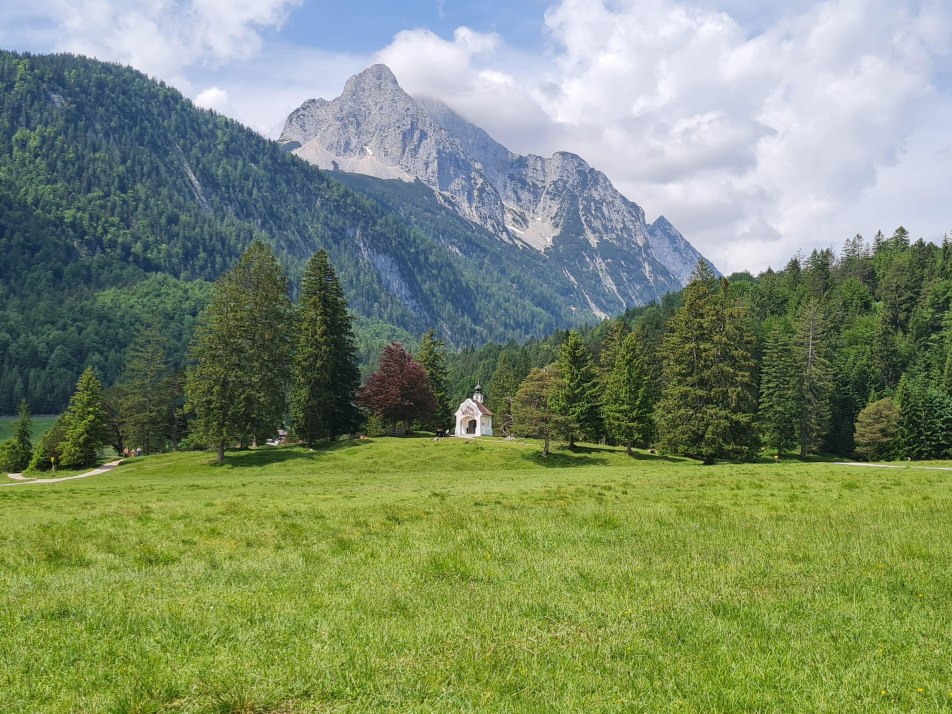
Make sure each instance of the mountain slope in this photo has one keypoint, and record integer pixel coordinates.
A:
(119, 199)
(597, 238)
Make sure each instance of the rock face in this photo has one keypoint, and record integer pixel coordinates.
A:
(560, 206)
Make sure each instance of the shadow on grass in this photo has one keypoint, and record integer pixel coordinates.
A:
(620, 451)
(563, 459)
(269, 455)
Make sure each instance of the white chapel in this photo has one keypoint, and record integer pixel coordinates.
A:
(473, 418)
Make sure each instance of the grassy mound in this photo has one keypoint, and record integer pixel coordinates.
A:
(411, 575)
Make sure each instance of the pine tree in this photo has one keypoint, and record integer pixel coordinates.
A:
(503, 385)
(611, 345)
(432, 356)
(533, 411)
(15, 452)
(627, 406)
(578, 397)
(326, 378)
(816, 382)
(85, 427)
(780, 390)
(241, 354)
(710, 392)
(924, 427)
(146, 401)
(49, 448)
(399, 391)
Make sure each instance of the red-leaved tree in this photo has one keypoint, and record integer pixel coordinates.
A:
(399, 391)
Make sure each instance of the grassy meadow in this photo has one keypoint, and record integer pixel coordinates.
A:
(406, 575)
(41, 425)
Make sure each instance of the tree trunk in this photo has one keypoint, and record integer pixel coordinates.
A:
(221, 451)
(545, 446)
(804, 434)
(628, 448)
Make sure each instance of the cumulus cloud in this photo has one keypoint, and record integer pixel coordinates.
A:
(160, 37)
(213, 98)
(753, 142)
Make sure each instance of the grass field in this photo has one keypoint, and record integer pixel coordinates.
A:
(404, 575)
(40, 426)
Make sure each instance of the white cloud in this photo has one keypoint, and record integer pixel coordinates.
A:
(214, 98)
(160, 37)
(755, 144)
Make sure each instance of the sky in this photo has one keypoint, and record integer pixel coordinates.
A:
(759, 129)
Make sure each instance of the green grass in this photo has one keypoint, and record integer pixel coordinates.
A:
(41, 425)
(405, 575)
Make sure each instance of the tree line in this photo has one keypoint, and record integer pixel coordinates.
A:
(847, 354)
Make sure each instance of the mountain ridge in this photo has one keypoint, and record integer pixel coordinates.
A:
(558, 205)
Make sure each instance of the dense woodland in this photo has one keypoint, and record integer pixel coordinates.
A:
(828, 335)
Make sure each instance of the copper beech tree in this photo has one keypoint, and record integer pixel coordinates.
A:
(399, 391)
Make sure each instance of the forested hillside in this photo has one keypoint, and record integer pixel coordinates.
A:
(832, 334)
(119, 199)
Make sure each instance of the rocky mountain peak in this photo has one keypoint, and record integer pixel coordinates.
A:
(559, 205)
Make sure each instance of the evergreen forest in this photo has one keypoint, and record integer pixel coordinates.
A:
(120, 201)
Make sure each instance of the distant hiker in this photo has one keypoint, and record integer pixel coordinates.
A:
(139, 451)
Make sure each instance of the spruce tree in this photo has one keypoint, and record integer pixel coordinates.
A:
(15, 452)
(85, 427)
(325, 375)
(146, 400)
(627, 405)
(780, 390)
(432, 355)
(709, 399)
(503, 385)
(614, 337)
(238, 379)
(924, 427)
(578, 397)
(816, 383)
(533, 410)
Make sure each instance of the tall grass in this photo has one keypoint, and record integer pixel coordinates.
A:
(410, 575)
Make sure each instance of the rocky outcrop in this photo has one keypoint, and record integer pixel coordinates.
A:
(560, 205)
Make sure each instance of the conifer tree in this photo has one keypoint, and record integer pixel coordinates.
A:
(924, 427)
(49, 447)
(146, 400)
(326, 378)
(710, 392)
(780, 390)
(816, 383)
(240, 355)
(432, 356)
(614, 337)
(627, 406)
(85, 427)
(578, 397)
(533, 411)
(503, 385)
(16, 451)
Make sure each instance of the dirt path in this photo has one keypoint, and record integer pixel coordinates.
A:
(893, 466)
(23, 480)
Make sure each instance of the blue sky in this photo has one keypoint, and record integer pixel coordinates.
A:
(364, 27)
(758, 128)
